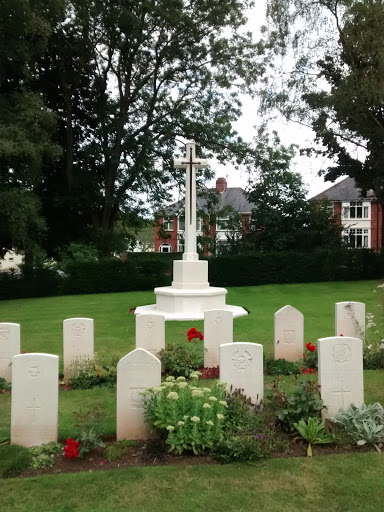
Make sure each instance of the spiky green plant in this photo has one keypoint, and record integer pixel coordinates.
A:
(313, 431)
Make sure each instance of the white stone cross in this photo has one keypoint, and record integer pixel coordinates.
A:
(190, 163)
(33, 408)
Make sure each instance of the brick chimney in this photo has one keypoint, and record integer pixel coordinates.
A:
(221, 184)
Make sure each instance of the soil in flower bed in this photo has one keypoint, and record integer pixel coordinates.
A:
(139, 456)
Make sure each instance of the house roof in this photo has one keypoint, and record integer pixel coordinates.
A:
(232, 196)
(345, 190)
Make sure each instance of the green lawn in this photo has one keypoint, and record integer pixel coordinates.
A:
(334, 483)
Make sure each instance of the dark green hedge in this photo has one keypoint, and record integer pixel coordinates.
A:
(146, 271)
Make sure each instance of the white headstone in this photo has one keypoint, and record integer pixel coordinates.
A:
(136, 371)
(9, 347)
(350, 319)
(78, 340)
(340, 373)
(34, 399)
(241, 367)
(289, 334)
(150, 333)
(218, 330)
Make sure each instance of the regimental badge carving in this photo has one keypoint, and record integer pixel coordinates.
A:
(150, 324)
(341, 353)
(241, 360)
(289, 335)
(219, 320)
(136, 398)
(78, 329)
(34, 370)
(4, 334)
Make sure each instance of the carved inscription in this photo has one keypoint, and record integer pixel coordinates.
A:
(219, 320)
(4, 334)
(289, 336)
(341, 353)
(241, 360)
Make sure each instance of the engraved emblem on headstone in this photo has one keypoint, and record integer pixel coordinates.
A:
(242, 360)
(289, 336)
(219, 320)
(341, 353)
(4, 334)
(34, 370)
(150, 324)
(78, 329)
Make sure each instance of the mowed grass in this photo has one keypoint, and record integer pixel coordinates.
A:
(333, 483)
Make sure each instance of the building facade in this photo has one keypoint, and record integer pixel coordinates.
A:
(169, 230)
(360, 217)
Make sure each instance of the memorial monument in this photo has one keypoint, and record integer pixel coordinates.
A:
(190, 294)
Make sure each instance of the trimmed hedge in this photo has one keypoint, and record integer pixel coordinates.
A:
(145, 271)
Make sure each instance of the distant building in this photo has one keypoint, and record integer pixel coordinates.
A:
(11, 260)
(359, 217)
(171, 220)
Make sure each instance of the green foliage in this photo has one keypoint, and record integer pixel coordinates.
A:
(89, 429)
(4, 385)
(313, 431)
(302, 403)
(373, 348)
(182, 360)
(192, 418)
(118, 449)
(43, 456)
(363, 424)
(13, 460)
(3, 440)
(249, 433)
(84, 373)
(281, 366)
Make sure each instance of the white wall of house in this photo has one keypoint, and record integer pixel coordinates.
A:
(10, 260)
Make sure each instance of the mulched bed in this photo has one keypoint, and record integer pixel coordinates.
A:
(139, 456)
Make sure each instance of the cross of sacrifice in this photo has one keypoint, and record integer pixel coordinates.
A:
(33, 408)
(341, 393)
(190, 164)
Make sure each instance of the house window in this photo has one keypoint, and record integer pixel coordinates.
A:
(165, 248)
(358, 238)
(355, 210)
(180, 246)
(168, 224)
(222, 223)
(181, 224)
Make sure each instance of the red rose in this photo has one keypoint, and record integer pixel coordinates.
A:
(191, 331)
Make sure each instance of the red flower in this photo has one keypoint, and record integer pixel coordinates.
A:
(310, 347)
(341, 334)
(71, 449)
(24, 352)
(191, 331)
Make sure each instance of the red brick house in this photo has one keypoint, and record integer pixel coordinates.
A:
(171, 222)
(360, 217)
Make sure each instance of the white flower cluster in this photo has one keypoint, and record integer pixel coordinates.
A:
(370, 322)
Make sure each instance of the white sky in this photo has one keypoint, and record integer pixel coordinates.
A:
(289, 133)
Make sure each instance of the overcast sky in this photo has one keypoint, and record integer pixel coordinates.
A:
(288, 132)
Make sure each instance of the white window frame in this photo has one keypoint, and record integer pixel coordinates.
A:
(350, 210)
(168, 223)
(225, 219)
(364, 233)
(163, 246)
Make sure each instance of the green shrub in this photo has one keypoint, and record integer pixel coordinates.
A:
(4, 385)
(249, 432)
(13, 460)
(182, 360)
(281, 367)
(313, 431)
(302, 403)
(363, 424)
(118, 449)
(191, 418)
(84, 373)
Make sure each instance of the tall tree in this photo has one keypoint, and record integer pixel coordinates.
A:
(127, 80)
(336, 85)
(26, 125)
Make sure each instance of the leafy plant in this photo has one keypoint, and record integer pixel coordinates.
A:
(313, 431)
(181, 361)
(363, 424)
(281, 367)
(5, 385)
(13, 460)
(310, 356)
(191, 417)
(84, 373)
(43, 456)
(304, 402)
(249, 431)
(118, 449)
(90, 429)
(3, 441)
